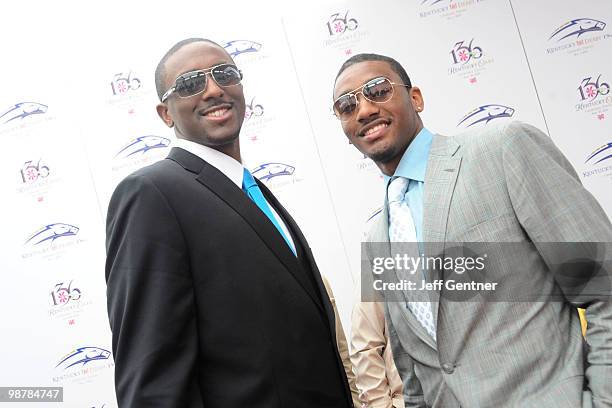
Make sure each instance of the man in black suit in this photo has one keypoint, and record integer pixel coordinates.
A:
(214, 297)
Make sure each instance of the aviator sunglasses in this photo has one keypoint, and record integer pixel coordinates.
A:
(194, 82)
(377, 90)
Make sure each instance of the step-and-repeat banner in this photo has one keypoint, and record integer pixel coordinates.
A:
(77, 114)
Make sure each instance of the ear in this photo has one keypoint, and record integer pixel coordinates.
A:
(162, 111)
(417, 99)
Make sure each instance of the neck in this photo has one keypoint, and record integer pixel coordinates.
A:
(388, 168)
(232, 150)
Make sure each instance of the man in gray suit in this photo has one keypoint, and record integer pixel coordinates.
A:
(510, 187)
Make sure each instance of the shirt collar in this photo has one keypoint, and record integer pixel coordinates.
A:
(232, 168)
(414, 161)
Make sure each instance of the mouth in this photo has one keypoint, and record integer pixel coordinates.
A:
(374, 129)
(217, 113)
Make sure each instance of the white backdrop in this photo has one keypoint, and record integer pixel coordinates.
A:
(77, 115)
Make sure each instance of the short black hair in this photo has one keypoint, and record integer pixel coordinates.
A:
(160, 71)
(395, 66)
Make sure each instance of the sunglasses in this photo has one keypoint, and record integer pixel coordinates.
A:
(194, 82)
(377, 90)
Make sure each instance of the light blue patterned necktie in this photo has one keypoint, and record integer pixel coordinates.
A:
(402, 229)
(250, 187)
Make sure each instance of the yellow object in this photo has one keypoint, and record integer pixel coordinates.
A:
(583, 321)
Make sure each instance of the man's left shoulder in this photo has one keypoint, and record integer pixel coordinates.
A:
(497, 138)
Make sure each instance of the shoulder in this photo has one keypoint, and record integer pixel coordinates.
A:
(497, 138)
(155, 175)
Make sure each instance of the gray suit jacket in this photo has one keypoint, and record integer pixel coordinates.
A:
(507, 184)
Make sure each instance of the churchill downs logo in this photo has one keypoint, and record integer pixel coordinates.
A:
(577, 36)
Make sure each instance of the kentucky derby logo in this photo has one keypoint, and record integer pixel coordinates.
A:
(82, 356)
(268, 171)
(594, 97)
(577, 27)
(602, 153)
(143, 144)
(599, 162)
(590, 89)
(450, 9)
(62, 294)
(122, 83)
(31, 172)
(51, 232)
(237, 47)
(338, 25)
(573, 37)
(462, 53)
(22, 110)
(253, 109)
(486, 113)
(434, 2)
(467, 61)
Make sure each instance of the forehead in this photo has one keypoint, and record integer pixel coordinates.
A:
(360, 73)
(196, 55)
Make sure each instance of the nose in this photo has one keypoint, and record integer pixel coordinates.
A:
(213, 90)
(366, 109)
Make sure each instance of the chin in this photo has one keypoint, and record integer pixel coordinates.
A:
(383, 155)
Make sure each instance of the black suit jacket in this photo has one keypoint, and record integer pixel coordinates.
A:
(207, 304)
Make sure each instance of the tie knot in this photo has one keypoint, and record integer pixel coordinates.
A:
(247, 180)
(397, 189)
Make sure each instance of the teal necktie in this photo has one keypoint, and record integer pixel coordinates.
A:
(252, 189)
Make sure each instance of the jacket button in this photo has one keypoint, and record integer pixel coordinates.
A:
(448, 368)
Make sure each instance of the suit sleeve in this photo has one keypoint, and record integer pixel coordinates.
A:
(553, 207)
(150, 300)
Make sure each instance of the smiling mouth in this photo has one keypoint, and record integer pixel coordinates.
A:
(376, 126)
(216, 113)
(375, 129)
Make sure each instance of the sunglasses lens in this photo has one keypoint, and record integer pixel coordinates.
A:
(378, 90)
(226, 75)
(345, 106)
(190, 84)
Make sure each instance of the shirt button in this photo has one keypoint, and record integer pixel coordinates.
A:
(448, 368)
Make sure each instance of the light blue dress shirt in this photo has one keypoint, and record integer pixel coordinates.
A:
(413, 166)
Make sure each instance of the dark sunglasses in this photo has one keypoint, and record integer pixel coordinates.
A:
(377, 90)
(194, 82)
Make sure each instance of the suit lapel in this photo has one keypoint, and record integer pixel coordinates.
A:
(443, 167)
(379, 234)
(235, 198)
(300, 242)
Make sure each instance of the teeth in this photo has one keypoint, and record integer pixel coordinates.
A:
(375, 128)
(216, 113)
